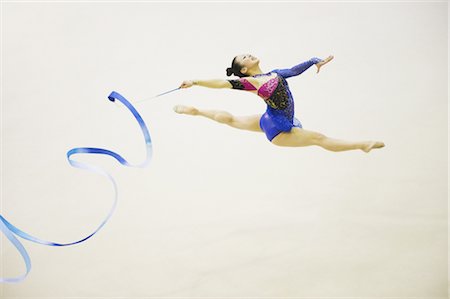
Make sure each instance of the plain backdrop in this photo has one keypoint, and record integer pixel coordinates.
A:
(222, 212)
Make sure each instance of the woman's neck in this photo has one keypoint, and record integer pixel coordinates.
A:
(255, 71)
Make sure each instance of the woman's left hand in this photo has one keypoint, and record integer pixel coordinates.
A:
(323, 62)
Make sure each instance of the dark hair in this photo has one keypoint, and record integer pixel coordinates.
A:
(235, 69)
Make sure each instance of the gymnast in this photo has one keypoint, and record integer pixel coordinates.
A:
(278, 122)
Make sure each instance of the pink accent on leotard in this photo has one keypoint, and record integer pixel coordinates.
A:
(247, 85)
(266, 90)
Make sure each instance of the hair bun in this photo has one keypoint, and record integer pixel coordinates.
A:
(229, 71)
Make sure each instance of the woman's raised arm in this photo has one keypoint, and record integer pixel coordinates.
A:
(300, 68)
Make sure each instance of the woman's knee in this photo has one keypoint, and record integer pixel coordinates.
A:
(317, 138)
(224, 117)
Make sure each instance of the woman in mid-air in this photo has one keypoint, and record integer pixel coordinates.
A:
(278, 122)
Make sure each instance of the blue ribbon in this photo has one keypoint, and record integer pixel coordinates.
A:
(10, 230)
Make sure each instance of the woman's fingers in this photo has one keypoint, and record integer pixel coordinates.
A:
(326, 60)
(323, 62)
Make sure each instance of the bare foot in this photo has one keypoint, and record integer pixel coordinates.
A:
(371, 145)
(185, 110)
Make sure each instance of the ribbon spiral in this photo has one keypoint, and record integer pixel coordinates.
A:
(10, 230)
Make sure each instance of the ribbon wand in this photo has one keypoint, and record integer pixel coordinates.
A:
(161, 94)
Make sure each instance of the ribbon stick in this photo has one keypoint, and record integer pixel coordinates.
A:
(10, 231)
(161, 94)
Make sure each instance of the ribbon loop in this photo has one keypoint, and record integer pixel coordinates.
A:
(10, 230)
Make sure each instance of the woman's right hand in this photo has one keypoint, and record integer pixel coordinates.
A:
(187, 84)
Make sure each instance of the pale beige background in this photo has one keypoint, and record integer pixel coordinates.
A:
(222, 212)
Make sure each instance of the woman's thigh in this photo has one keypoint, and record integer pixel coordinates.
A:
(297, 137)
(250, 123)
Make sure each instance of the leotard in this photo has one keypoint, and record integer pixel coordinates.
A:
(279, 116)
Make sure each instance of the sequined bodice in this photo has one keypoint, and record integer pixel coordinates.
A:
(273, 91)
(267, 89)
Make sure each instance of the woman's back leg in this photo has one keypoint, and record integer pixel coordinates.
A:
(298, 137)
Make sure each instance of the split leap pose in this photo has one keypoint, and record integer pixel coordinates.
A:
(278, 122)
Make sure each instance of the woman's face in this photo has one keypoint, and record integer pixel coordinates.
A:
(247, 61)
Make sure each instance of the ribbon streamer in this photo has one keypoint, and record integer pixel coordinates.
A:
(10, 230)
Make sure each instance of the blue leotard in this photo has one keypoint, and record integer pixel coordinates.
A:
(279, 116)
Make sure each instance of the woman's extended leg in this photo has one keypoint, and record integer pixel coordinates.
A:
(300, 137)
(249, 123)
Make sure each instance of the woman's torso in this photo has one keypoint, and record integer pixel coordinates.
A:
(274, 90)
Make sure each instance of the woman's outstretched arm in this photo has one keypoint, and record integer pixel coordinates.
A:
(246, 83)
(300, 68)
(215, 83)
